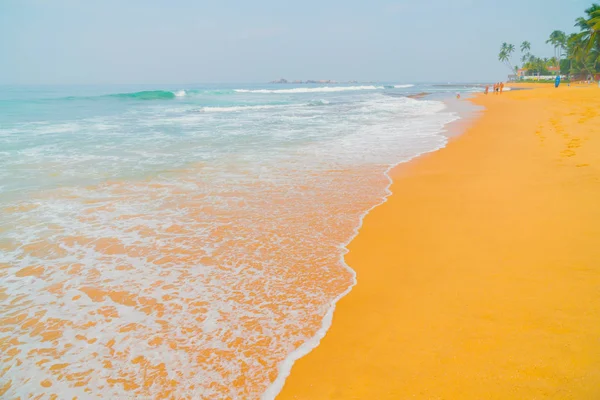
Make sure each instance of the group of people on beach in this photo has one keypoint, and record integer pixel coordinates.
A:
(498, 88)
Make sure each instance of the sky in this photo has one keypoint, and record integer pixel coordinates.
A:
(209, 41)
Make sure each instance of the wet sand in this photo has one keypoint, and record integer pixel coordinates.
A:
(479, 278)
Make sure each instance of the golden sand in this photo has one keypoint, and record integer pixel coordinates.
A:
(480, 277)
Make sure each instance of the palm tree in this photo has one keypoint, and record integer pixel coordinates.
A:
(562, 45)
(571, 44)
(558, 40)
(575, 51)
(525, 53)
(590, 27)
(505, 54)
(502, 56)
(510, 49)
(525, 60)
(587, 42)
(580, 53)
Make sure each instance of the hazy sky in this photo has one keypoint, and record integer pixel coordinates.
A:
(185, 41)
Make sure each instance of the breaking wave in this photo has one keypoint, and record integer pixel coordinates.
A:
(170, 95)
(147, 95)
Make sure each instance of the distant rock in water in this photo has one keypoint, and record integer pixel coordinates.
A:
(282, 80)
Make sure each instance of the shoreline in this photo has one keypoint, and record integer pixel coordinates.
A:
(449, 131)
(468, 111)
(307, 380)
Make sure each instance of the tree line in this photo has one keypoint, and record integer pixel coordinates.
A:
(577, 54)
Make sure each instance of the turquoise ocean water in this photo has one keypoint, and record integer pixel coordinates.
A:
(54, 136)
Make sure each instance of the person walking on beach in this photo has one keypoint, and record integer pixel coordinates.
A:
(501, 87)
(487, 89)
(495, 88)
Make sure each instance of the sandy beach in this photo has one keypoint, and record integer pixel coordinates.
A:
(479, 278)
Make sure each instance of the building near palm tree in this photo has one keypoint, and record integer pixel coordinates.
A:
(522, 72)
(554, 70)
(526, 73)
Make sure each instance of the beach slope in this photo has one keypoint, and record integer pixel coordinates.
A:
(479, 278)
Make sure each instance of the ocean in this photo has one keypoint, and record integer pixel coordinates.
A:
(187, 241)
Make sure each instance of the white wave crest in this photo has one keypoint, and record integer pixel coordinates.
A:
(240, 108)
(180, 93)
(322, 89)
(403, 86)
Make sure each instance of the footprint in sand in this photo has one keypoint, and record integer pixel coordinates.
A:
(538, 133)
(567, 153)
(587, 115)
